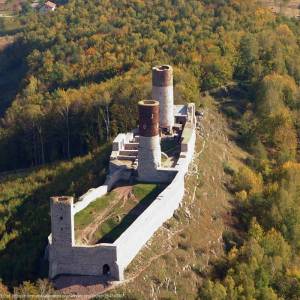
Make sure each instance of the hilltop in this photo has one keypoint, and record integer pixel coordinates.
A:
(174, 261)
(70, 82)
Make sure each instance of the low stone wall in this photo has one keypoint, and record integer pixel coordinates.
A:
(119, 174)
(162, 175)
(89, 197)
(84, 260)
(94, 194)
(65, 257)
(118, 142)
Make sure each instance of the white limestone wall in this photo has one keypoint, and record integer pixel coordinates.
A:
(149, 157)
(141, 230)
(160, 210)
(164, 95)
(187, 152)
(93, 194)
(129, 137)
(84, 260)
(62, 221)
(89, 197)
(161, 175)
(120, 174)
(118, 142)
(65, 257)
(68, 258)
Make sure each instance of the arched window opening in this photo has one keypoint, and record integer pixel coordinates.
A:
(106, 270)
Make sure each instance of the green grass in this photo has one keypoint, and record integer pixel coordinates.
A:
(142, 190)
(145, 194)
(86, 216)
(122, 213)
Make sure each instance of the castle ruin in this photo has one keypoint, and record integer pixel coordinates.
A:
(135, 155)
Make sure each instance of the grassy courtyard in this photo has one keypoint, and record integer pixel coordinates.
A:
(108, 217)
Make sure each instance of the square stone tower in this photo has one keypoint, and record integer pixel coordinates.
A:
(62, 221)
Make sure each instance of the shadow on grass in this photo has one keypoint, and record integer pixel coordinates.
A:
(132, 215)
(22, 257)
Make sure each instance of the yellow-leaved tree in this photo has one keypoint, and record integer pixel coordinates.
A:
(248, 180)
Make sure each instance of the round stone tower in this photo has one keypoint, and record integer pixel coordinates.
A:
(162, 91)
(149, 154)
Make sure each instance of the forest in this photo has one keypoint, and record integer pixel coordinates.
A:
(70, 82)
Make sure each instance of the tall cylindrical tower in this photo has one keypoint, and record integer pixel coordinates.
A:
(162, 91)
(149, 154)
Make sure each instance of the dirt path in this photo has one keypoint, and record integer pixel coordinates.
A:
(122, 193)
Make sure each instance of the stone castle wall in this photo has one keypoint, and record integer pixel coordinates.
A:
(69, 258)
(65, 257)
(94, 194)
(160, 210)
(163, 207)
(87, 260)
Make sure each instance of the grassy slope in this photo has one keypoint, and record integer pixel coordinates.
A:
(173, 262)
(86, 216)
(24, 211)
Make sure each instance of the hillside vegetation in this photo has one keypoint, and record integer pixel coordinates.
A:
(24, 211)
(79, 73)
(88, 64)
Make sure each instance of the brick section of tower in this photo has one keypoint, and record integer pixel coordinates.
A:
(162, 76)
(149, 154)
(148, 118)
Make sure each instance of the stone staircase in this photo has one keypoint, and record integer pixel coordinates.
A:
(130, 151)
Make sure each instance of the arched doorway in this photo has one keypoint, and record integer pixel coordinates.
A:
(106, 270)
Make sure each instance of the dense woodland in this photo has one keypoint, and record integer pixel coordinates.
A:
(75, 77)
